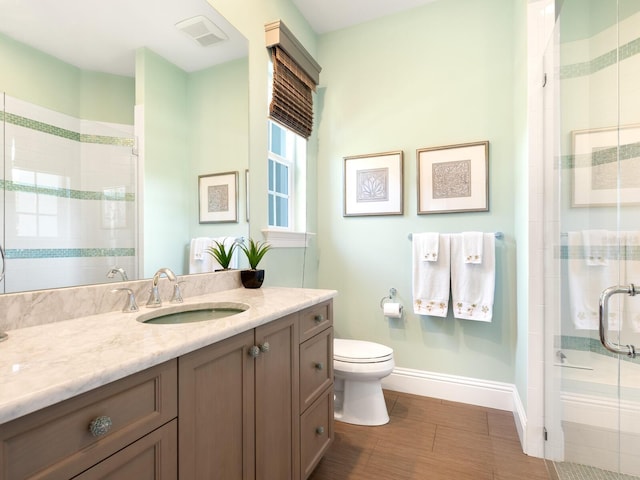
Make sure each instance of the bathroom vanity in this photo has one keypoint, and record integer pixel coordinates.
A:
(244, 397)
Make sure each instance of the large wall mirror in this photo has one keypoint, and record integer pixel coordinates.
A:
(110, 113)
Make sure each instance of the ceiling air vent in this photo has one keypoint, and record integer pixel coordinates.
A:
(202, 30)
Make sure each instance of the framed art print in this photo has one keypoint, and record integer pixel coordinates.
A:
(453, 178)
(373, 184)
(218, 197)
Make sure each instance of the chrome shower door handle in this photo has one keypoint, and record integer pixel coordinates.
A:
(4, 260)
(603, 312)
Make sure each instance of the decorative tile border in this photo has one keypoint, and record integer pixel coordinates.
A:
(601, 157)
(588, 344)
(601, 62)
(11, 186)
(25, 122)
(609, 252)
(45, 253)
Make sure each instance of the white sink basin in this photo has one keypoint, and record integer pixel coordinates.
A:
(200, 312)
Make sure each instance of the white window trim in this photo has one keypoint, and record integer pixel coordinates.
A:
(281, 238)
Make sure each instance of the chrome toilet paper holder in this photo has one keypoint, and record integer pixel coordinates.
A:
(388, 298)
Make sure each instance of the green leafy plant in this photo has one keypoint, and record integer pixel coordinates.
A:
(222, 254)
(254, 252)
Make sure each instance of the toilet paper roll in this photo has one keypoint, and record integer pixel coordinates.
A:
(392, 310)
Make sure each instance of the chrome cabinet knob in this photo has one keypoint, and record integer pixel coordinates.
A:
(100, 426)
(319, 366)
(319, 430)
(265, 347)
(254, 351)
(318, 318)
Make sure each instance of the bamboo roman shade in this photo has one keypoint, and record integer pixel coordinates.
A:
(295, 76)
(292, 101)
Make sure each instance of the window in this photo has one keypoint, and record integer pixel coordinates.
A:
(37, 203)
(287, 159)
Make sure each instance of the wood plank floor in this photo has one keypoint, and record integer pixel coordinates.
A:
(433, 439)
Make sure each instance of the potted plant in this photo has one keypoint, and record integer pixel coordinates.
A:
(253, 277)
(222, 254)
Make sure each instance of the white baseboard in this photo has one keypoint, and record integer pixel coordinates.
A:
(473, 391)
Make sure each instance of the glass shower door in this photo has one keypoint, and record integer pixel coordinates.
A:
(592, 182)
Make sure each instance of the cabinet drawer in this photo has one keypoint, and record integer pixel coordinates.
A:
(153, 457)
(316, 432)
(56, 442)
(315, 319)
(316, 367)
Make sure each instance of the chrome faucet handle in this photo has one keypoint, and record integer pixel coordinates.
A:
(177, 294)
(154, 298)
(131, 305)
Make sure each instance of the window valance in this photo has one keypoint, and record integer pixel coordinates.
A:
(295, 76)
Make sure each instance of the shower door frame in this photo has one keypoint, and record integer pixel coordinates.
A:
(561, 117)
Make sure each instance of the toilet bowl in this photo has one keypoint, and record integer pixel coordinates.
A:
(358, 367)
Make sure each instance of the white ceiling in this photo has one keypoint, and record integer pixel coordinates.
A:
(103, 35)
(328, 15)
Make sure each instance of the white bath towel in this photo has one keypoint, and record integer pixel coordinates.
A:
(473, 284)
(472, 247)
(428, 245)
(595, 246)
(431, 279)
(632, 274)
(588, 278)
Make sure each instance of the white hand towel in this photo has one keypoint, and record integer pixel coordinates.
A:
(586, 283)
(428, 245)
(595, 247)
(472, 284)
(199, 246)
(205, 261)
(431, 279)
(472, 247)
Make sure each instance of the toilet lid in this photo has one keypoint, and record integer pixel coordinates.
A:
(359, 351)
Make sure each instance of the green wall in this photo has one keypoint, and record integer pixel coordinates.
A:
(162, 90)
(36, 77)
(441, 74)
(219, 136)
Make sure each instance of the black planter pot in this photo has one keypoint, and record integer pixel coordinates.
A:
(252, 278)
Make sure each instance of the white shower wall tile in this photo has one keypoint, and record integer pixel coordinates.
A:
(38, 274)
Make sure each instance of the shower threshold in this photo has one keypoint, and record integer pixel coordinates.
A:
(575, 471)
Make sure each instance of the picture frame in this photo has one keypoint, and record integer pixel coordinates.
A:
(373, 184)
(595, 167)
(218, 197)
(453, 178)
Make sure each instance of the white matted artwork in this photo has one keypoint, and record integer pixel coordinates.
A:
(373, 184)
(218, 197)
(606, 167)
(453, 178)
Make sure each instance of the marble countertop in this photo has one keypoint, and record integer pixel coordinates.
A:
(45, 364)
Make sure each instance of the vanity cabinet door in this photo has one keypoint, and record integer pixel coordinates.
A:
(216, 405)
(277, 418)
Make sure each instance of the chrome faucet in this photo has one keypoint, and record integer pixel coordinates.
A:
(154, 299)
(111, 273)
(131, 305)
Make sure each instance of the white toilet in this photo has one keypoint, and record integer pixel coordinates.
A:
(358, 367)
